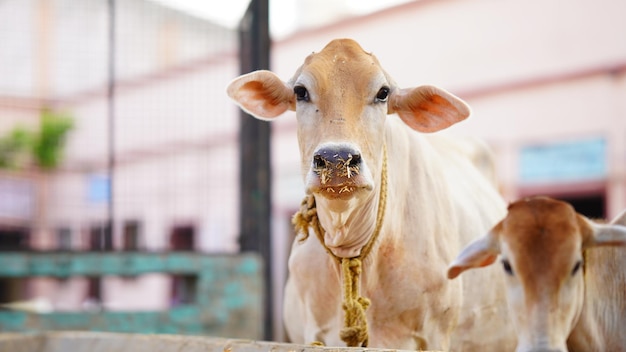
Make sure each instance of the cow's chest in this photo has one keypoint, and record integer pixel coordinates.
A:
(404, 294)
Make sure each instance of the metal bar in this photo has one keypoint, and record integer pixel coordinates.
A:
(228, 293)
(255, 166)
(108, 232)
(68, 264)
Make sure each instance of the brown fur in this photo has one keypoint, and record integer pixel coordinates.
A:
(552, 298)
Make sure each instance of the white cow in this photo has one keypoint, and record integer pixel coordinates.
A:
(558, 285)
(393, 208)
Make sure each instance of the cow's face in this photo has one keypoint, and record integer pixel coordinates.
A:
(541, 243)
(341, 96)
(541, 256)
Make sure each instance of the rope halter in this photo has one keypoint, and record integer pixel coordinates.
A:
(354, 332)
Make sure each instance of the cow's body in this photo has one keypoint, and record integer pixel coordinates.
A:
(602, 322)
(436, 200)
(564, 294)
(412, 305)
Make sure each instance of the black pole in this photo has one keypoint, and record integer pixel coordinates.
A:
(108, 228)
(255, 167)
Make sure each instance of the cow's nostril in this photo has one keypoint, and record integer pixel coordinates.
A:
(319, 162)
(345, 161)
(355, 160)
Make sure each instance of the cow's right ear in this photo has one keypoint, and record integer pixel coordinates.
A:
(262, 94)
(481, 252)
(427, 108)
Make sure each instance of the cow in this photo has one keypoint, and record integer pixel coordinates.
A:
(388, 206)
(564, 294)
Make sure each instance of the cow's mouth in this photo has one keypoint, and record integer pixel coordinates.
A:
(339, 191)
(345, 190)
(339, 188)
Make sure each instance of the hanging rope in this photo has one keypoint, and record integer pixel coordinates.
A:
(354, 332)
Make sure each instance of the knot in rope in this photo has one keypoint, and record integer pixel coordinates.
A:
(354, 332)
(307, 217)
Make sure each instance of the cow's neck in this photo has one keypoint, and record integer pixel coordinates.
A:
(335, 224)
(351, 226)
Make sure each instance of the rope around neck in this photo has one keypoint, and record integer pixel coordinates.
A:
(354, 332)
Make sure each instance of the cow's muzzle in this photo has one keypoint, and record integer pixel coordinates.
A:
(337, 161)
(338, 168)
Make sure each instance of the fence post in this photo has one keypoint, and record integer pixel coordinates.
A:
(255, 167)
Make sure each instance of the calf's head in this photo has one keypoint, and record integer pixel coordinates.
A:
(541, 243)
(341, 97)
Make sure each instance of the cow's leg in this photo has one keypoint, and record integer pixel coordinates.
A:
(293, 314)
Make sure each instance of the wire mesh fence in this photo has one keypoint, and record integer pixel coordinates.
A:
(160, 163)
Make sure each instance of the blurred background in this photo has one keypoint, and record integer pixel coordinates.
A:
(116, 134)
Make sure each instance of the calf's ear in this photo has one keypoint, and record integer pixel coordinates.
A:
(595, 234)
(620, 219)
(479, 253)
(427, 108)
(261, 94)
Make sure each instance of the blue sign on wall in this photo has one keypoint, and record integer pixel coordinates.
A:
(98, 189)
(581, 160)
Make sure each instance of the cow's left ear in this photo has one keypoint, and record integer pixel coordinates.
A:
(262, 94)
(481, 252)
(620, 219)
(427, 108)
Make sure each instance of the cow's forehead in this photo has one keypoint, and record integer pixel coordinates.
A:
(546, 230)
(343, 49)
(342, 62)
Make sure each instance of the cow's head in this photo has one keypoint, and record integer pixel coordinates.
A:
(541, 243)
(341, 96)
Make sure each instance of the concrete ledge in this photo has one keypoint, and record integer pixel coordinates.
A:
(118, 342)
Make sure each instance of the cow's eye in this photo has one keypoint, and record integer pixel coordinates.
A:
(577, 267)
(507, 267)
(382, 95)
(301, 93)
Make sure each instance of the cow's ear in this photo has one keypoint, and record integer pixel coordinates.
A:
(620, 219)
(427, 108)
(481, 252)
(595, 234)
(261, 94)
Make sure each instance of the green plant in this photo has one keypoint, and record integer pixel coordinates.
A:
(14, 147)
(43, 147)
(49, 141)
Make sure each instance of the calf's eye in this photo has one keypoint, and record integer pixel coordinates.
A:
(577, 267)
(382, 95)
(301, 93)
(507, 267)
